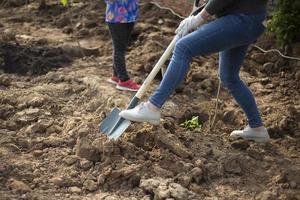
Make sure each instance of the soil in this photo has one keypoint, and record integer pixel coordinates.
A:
(52, 99)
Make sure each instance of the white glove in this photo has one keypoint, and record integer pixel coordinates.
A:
(189, 24)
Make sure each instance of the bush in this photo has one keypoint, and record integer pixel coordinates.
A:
(285, 22)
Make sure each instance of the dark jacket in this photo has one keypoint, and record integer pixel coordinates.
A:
(225, 7)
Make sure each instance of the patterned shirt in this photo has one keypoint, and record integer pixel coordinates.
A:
(121, 11)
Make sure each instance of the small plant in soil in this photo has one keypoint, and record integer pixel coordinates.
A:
(191, 124)
(64, 2)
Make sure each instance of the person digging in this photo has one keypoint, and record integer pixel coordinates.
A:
(237, 25)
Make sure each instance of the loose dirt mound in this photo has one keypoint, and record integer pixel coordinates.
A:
(50, 144)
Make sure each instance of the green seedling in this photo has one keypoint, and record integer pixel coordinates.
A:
(64, 2)
(191, 124)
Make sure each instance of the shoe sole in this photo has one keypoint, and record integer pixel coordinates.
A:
(153, 122)
(126, 89)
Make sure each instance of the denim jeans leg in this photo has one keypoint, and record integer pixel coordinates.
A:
(219, 35)
(175, 73)
(230, 62)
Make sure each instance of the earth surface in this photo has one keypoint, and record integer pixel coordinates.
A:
(53, 96)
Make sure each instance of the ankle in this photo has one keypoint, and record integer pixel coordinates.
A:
(260, 128)
(152, 106)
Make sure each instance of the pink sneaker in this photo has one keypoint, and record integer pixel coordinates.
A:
(114, 80)
(129, 85)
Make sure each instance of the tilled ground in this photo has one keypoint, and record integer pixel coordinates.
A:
(52, 101)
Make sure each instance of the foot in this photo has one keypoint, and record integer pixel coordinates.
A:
(259, 134)
(129, 85)
(145, 112)
(114, 80)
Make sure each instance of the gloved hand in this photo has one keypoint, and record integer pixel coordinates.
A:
(189, 24)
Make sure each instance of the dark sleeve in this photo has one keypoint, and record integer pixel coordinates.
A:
(214, 7)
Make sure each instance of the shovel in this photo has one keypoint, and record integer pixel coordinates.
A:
(114, 125)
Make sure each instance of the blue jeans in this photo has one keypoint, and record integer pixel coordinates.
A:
(229, 35)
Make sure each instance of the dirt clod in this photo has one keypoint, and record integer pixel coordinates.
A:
(19, 186)
(84, 149)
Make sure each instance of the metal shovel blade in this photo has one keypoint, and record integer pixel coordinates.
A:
(117, 132)
(109, 122)
(113, 125)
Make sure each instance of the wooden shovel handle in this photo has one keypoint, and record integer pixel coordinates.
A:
(156, 68)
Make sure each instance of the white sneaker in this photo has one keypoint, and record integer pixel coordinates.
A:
(141, 113)
(259, 134)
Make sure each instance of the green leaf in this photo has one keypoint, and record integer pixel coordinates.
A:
(191, 124)
(64, 2)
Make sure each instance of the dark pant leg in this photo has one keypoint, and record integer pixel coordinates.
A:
(120, 33)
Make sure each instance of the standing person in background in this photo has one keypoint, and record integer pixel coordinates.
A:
(238, 24)
(120, 17)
